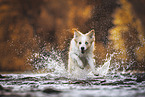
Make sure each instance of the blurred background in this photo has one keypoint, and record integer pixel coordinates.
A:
(29, 26)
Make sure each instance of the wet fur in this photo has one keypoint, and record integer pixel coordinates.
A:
(81, 51)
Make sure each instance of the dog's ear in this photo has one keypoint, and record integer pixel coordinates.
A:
(91, 34)
(76, 33)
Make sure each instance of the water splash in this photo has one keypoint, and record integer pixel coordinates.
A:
(52, 62)
(45, 62)
(120, 66)
(113, 66)
(103, 70)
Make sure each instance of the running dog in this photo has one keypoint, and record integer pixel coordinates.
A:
(81, 52)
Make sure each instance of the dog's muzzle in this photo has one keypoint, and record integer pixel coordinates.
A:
(82, 50)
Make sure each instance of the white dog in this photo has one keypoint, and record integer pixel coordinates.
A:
(81, 52)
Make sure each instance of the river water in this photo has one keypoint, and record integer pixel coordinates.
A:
(36, 85)
(56, 82)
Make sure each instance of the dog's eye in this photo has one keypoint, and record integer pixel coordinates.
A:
(80, 43)
(86, 42)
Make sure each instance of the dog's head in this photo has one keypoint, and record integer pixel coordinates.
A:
(84, 41)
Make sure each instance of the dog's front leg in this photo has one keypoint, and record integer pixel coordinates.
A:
(77, 60)
(91, 63)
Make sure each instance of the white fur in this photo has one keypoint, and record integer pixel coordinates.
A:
(81, 60)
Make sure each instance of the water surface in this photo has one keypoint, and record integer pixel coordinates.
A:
(34, 85)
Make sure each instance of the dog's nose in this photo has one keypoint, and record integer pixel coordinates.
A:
(82, 48)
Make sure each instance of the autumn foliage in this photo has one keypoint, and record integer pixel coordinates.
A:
(27, 26)
(128, 35)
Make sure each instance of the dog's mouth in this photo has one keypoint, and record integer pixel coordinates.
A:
(82, 51)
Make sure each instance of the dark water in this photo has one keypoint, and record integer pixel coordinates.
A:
(52, 85)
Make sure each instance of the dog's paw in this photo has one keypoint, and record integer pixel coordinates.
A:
(81, 65)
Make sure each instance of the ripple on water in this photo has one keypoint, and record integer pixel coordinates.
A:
(109, 85)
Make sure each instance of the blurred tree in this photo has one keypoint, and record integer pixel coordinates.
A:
(27, 26)
(127, 35)
(17, 39)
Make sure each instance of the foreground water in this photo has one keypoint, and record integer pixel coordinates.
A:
(58, 83)
(55, 85)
